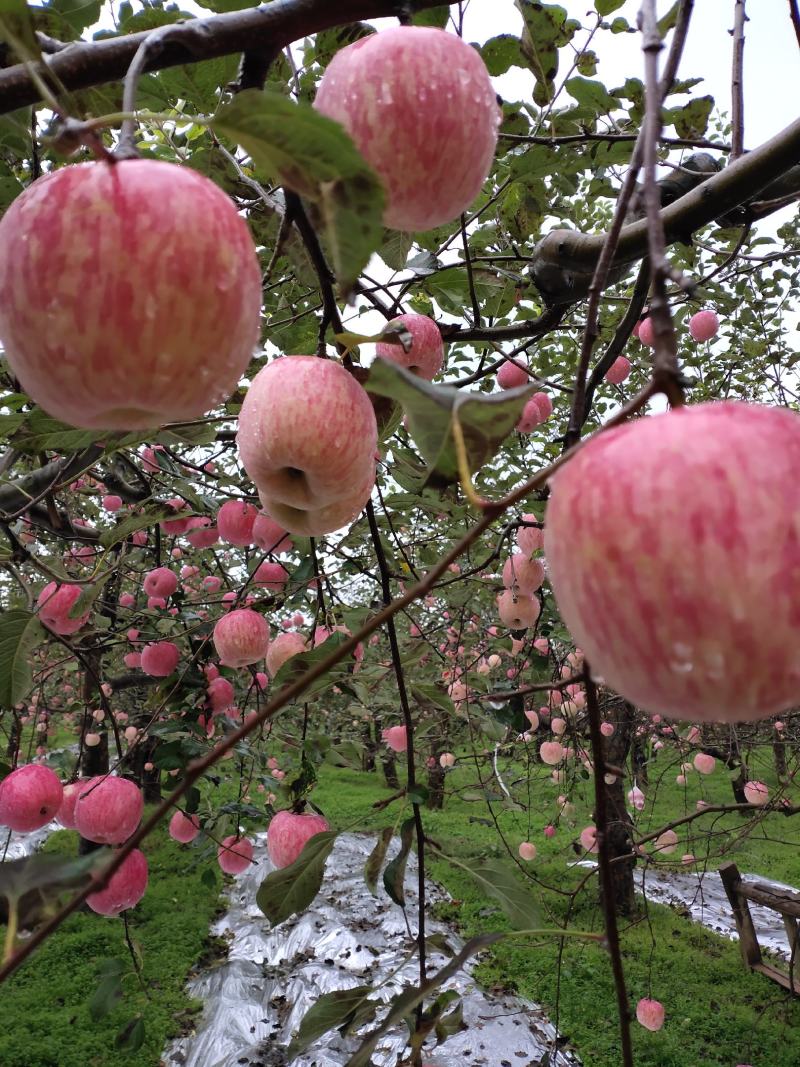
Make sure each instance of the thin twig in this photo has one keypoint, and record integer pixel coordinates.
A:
(737, 85)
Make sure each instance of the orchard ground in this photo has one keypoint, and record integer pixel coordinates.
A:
(717, 1013)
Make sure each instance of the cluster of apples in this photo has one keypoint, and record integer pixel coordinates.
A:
(523, 573)
(152, 288)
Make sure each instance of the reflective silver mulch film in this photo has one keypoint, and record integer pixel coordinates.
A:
(257, 997)
(702, 894)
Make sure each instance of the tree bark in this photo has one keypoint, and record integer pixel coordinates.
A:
(619, 826)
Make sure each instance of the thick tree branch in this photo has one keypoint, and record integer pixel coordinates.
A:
(261, 29)
(563, 260)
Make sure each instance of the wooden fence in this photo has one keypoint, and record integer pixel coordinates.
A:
(785, 902)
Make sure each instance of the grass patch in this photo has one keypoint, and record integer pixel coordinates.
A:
(44, 1007)
(717, 1013)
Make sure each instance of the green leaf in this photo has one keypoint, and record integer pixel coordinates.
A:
(289, 891)
(500, 53)
(499, 882)
(343, 1008)
(40, 433)
(17, 29)
(109, 991)
(395, 248)
(372, 868)
(606, 7)
(76, 14)
(434, 16)
(395, 873)
(691, 121)
(592, 95)
(300, 664)
(20, 633)
(131, 1037)
(129, 525)
(486, 418)
(395, 332)
(313, 155)
(89, 594)
(48, 874)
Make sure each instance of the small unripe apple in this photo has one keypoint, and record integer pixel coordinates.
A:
(307, 438)
(289, 832)
(673, 552)
(420, 107)
(241, 637)
(108, 810)
(426, 355)
(29, 798)
(149, 316)
(125, 888)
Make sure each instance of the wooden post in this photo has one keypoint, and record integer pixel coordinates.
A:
(790, 924)
(748, 941)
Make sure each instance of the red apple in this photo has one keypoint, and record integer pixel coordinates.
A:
(307, 438)
(55, 602)
(108, 810)
(131, 293)
(160, 659)
(288, 833)
(125, 887)
(426, 355)
(674, 554)
(282, 648)
(184, 828)
(421, 109)
(235, 521)
(241, 637)
(162, 582)
(235, 854)
(29, 798)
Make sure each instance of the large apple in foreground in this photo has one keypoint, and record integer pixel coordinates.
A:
(673, 549)
(131, 294)
(307, 438)
(420, 107)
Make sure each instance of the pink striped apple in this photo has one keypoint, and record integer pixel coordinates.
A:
(289, 832)
(673, 551)
(426, 354)
(420, 107)
(150, 314)
(307, 438)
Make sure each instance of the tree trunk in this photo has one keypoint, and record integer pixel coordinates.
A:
(368, 752)
(779, 751)
(389, 767)
(436, 778)
(148, 781)
(14, 738)
(618, 831)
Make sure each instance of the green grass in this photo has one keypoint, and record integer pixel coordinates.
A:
(717, 1013)
(44, 1007)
